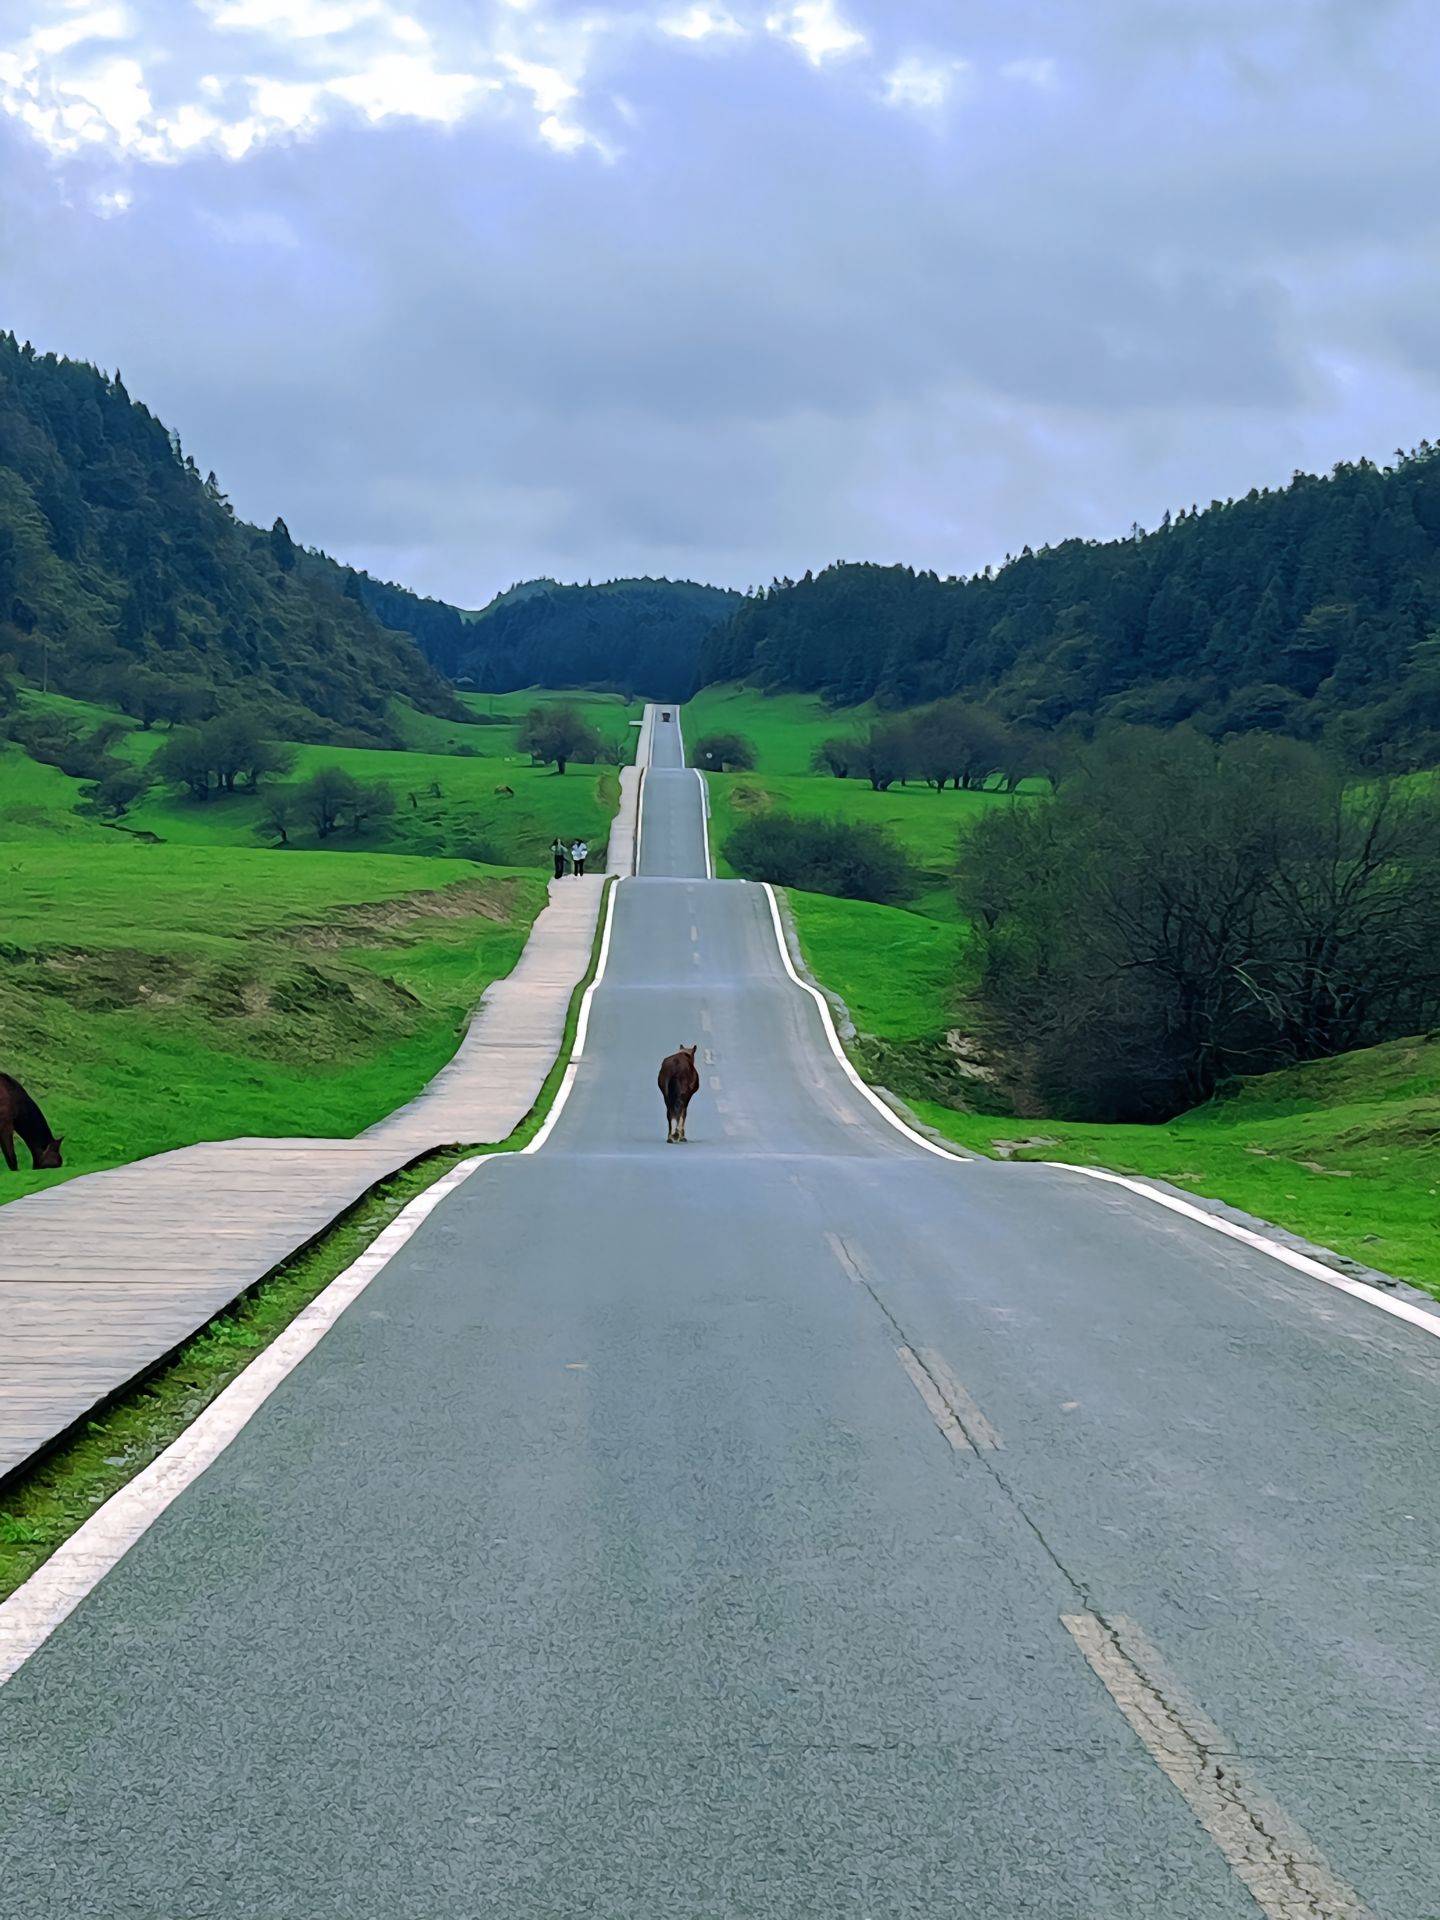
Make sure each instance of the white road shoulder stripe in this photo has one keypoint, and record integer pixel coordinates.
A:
(832, 1038)
(54, 1590)
(1302, 1263)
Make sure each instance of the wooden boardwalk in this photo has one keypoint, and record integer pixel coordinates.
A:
(104, 1275)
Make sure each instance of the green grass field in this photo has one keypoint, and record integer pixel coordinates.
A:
(1345, 1152)
(929, 825)
(202, 985)
(785, 728)
(155, 995)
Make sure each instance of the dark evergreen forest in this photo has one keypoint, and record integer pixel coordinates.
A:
(123, 568)
(1313, 611)
(642, 636)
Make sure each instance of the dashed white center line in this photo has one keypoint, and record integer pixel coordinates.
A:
(851, 1259)
(1285, 1872)
(942, 1415)
(981, 1433)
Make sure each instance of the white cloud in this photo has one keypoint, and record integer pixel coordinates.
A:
(236, 75)
(409, 87)
(701, 22)
(294, 19)
(817, 30)
(924, 85)
(548, 87)
(105, 23)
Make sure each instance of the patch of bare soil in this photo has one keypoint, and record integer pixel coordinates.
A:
(105, 979)
(747, 798)
(362, 923)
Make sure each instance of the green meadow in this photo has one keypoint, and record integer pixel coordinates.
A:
(785, 729)
(174, 977)
(1345, 1152)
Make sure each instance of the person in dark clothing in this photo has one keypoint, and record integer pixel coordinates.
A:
(557, 854)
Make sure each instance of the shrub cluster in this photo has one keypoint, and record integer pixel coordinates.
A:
(857, 862)
(948, 743)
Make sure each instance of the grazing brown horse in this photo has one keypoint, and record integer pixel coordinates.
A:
(19, 1114)
(679, 1083)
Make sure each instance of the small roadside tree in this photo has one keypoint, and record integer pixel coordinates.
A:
(281, 813)
(371, 802)
(185, 758)
(554, 736)
(725, 753)
(857, 861)
(326, 797)
(838, 755)
(885, 753)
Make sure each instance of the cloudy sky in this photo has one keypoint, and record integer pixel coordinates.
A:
(472, 290)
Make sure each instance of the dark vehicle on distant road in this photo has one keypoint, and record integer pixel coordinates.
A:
(665, 713)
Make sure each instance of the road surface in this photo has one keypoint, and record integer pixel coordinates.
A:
(793, 1523)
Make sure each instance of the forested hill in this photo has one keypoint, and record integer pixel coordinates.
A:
(438, 629)
(643, 636)
(124, 574)
(1314, 609)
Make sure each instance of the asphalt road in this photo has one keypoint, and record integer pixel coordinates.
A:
(607, 1561)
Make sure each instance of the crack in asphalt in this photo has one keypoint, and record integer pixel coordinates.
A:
(1280, 1866)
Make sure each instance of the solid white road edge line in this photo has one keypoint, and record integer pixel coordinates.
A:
(54, 1590)
(642, 760)
(833, 1039)
(582, 1027)
(1301, 1262)
(704, 801)
(705, 823)
(52, 1593)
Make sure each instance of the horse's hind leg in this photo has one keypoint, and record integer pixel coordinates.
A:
(7, 1147)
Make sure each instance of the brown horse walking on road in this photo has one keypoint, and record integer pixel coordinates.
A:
(19, 1114)
(679, 1083)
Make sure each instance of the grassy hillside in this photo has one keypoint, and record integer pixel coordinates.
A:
(123, 569)
(155, 995)
(199, 984)
(785, 728)
(471, 816)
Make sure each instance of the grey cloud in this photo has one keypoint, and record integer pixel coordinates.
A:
(788, 322)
